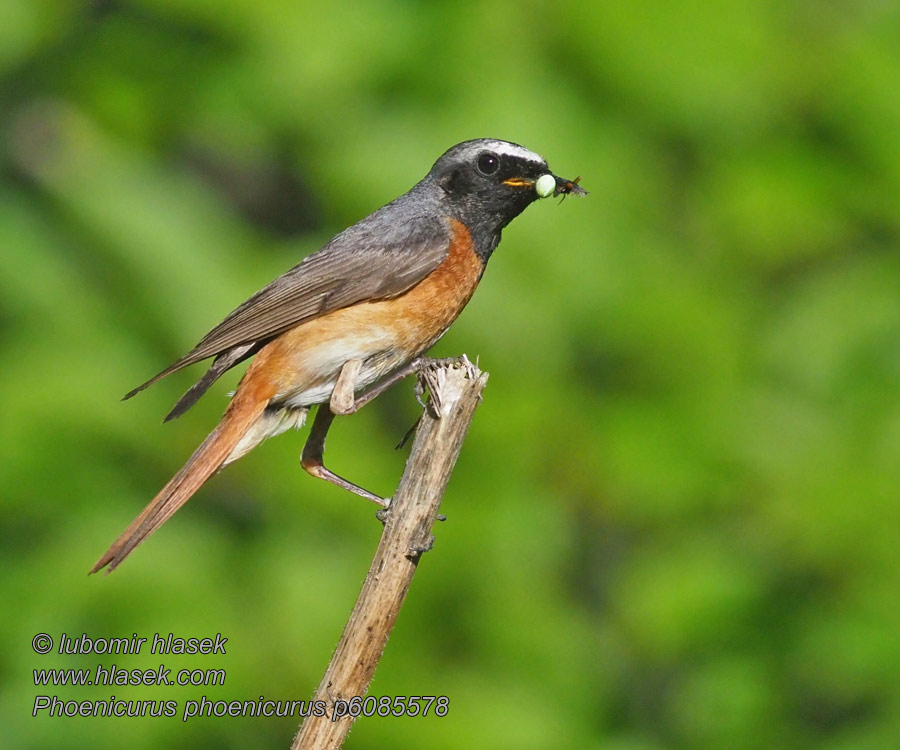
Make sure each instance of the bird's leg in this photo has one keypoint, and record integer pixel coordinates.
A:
(342, 397)
(313, 452)
(342, 400)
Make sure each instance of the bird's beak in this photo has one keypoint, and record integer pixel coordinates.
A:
(519, 182)
(548, 185)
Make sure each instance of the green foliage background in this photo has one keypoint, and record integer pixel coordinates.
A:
(675, 521)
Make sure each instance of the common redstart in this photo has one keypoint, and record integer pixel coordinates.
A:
(359, 312)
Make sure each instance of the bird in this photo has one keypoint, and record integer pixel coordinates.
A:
(357, 314)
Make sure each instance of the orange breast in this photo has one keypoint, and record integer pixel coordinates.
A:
(422, 314)
(303, 363)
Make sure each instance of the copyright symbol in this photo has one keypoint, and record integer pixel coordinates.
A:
(42, 643)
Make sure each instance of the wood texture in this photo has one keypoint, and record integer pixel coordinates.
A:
(455, 390)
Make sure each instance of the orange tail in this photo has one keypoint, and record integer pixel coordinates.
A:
(245, 408)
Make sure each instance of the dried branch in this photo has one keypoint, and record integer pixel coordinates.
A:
(455, 390)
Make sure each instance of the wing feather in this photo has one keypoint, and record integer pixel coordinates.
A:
(368, 261)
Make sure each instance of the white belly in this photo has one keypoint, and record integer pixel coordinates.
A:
(379, 354)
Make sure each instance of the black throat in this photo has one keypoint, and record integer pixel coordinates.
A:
(485, 216)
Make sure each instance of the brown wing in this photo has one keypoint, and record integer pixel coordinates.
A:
(352, 268)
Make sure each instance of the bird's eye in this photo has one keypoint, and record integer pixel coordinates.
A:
(488, 163)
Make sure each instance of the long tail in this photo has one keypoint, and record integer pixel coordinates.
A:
(245, 409)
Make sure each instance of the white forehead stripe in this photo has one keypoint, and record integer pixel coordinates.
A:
(511, 149)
